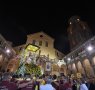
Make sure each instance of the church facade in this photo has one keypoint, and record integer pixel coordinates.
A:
(46, 50)
(45, 44)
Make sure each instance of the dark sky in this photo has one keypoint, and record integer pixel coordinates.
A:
(15, 25)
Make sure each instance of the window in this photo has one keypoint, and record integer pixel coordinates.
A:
(46, 44)
(41, 36)
(57, 54)
(1, 43)
(34, 41)
(40, 43)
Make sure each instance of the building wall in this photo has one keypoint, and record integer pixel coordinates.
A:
(5, 55)
(19, 48)
(79, 35)
(82, 60)
(49, 50)
(82, 66)
(40, 39)
(12, 65)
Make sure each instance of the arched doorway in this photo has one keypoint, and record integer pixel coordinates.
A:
(93, 64)
(55, 69)
(88, 68)
(63, 69)
(1, 60)
(69, 69)
(74, 70)
(80, 68)
(93, 61)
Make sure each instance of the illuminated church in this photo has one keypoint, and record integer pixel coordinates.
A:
(45, 44)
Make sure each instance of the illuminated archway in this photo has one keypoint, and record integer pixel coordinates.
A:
(69, 69)
(80, 68)
(1, 60)
(88, 68)
(93, 60)
(55, 69)
(63, 69)
(74, 68)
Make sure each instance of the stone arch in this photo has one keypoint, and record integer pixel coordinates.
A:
(55, 69)
(63, 69)
(93, 61)
(88, 68)
(69, 69)
(80, 68)
(74, 69)
(1, 60)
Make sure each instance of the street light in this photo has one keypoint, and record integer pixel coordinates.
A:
(69, 59)
(70, 23)
(89, 48)
(8, 51)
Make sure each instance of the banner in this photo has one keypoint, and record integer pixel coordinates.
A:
(48, 66)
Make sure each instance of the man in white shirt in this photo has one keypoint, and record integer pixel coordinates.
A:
(47, 86)
(83, 86)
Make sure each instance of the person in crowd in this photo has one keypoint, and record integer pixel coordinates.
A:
(47, 86)
(87, 82)
(22, 85)
(67, 84)
(61, 79)
(6, 83)
(74, 85)
(6, 78)
(92, 84)
(78, 85)
(42, 85)
(83, 85)
(13, 79)
(54, 77)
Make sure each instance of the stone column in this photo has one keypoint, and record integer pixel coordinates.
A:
(68, 71)
(84, 68)
(76, 66)
(72, 69)
(94, 69)
(92, 66)
(67, 67)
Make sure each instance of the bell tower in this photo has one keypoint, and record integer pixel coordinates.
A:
(78, 32)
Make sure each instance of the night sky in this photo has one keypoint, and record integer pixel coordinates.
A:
(15, 25)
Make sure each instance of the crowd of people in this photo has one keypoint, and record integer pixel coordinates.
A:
(45, 82)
